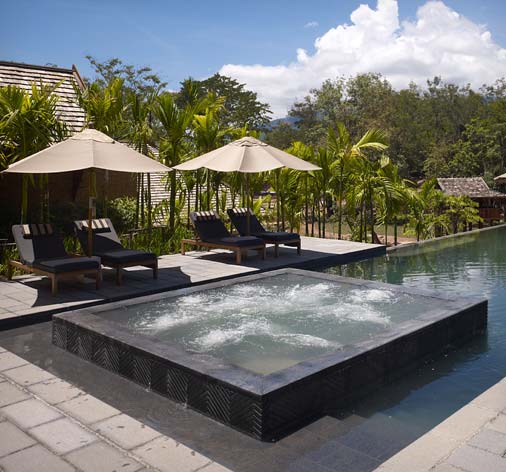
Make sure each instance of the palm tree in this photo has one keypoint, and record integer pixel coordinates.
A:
(28, 123)
(323, 158)
(105, 107)
(141, 135)
(176, 123)
(345, 153)
(425, 205)
(208, 135)
(394, 195)
(299, 149)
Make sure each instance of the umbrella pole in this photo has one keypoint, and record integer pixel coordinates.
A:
(248, 222)
(91, 209)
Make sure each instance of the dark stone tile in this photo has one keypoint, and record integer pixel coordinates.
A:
(338, 457)
(281, 460)
(378, 437)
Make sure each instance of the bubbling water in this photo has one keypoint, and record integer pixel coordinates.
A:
(288, 318)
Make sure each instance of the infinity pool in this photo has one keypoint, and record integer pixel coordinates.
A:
(473, 264)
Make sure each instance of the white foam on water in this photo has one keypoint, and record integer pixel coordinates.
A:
(306, 340)
(373, 295)
(278, 312)
(234, 335)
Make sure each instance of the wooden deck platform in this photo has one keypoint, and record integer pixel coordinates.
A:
(28, 299)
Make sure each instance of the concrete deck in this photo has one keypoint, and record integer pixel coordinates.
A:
(28, 299)
(48, 424)
(471, 440)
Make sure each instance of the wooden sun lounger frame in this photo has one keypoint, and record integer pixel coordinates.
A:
(55, 277)
(238, 250)
(287, 242)
(121, 265)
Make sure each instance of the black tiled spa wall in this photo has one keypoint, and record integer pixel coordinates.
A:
(274, 407)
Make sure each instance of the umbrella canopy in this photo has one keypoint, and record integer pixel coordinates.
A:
(501, 179)
(247, 155)
(89, 149)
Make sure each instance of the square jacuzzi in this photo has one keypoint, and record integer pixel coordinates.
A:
(269, 352)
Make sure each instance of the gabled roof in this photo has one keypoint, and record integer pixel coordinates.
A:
(473, 187)
(24, 75)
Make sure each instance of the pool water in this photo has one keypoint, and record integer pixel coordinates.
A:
(473, 264)
(275, 322)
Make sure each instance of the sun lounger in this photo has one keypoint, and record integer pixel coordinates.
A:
(108, 247)
(42, 252)
(213, 234)
(239, 218)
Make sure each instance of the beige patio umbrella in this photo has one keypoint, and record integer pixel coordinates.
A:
(247, 155)
(88, 149)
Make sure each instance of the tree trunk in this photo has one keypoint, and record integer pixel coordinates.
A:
(197, 190)
(137, 199)
(340, 205)
(306, 203)
(276, 184)
(24, 198)
(150, 214)
(172, 202)
(142, 202)
(312, 220)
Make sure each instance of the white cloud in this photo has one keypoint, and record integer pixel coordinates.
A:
(311, 24)
(439, 41)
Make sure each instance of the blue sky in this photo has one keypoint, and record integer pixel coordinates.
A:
(179, 39)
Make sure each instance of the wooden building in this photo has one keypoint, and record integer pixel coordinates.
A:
(491, 203)
(67, 187)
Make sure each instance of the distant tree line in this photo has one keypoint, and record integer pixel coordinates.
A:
(442, 130)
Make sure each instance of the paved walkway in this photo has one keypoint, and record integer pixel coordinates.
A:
(47, 424)
(30, 296)
(471, 440)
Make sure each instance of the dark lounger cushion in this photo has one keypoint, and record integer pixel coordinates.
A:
(211, 229)
(278, 236)
(67, 264)
(239, 218)
(239, 241)
(125, 256)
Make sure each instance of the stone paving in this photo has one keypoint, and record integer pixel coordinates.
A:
(471, 440)
(30, 296)
(47, 424)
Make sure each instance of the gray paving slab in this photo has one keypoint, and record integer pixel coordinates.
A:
(444, 467)
(62, 435)
(125, 431)
(168, 455)
(472, 459)
(101, 457)
(30, 413)
(34, 459)
(55, 391)
(498, 424)
(88, 409)
(214, 467)
(28, 374)
(10, 361)
(13, 439)
(491, 441)
(11, 394)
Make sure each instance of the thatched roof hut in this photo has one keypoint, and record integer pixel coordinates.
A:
(490, 201)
